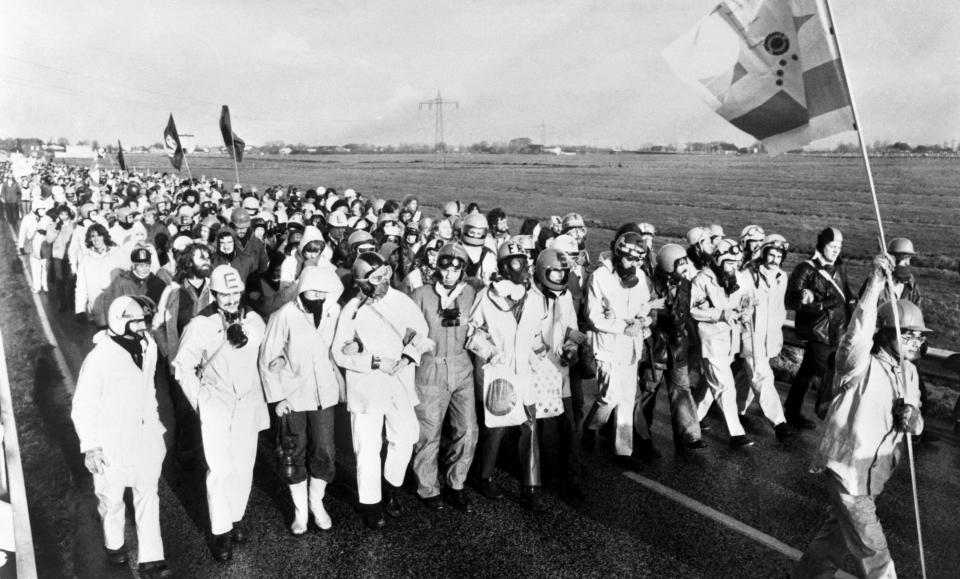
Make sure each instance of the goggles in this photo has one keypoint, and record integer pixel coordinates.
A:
(915, 338)
(733, 250)
(779, 245)
(474, 232)
(450, 262)
(631, 251)
(380, 275)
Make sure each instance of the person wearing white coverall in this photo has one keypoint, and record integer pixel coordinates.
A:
(380, 337)
(299, 374)
(875, 405)
(762, 337)
(720, 301)
(216, 366)
(118, 425)
(618, 309)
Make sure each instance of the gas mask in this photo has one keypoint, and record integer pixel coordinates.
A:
(516, 270)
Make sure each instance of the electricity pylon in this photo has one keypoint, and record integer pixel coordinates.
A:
(438, 104)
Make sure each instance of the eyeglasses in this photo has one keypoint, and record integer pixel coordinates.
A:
(913, 338)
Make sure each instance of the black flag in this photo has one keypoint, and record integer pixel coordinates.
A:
(120, 159)
(171, 141)
(231, 141)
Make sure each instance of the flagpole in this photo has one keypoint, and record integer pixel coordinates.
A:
(187, 164)
(893, 296)
(233, 155)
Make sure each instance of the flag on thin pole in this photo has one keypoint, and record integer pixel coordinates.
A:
(120, 160)
(171, 141)
(231, 141)
(771, 68)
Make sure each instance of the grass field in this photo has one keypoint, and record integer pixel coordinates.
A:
(794, 196)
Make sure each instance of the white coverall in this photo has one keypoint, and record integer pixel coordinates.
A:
(719, 342)
(762, 339)
(374, 398)
(232, 409)
(115, 409)
(610, 306)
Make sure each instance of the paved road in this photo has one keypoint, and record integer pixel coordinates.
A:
(623, 528)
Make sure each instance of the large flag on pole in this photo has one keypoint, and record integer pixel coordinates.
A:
(120, 160)
(231, 141)
(770, 67)
(171, 141)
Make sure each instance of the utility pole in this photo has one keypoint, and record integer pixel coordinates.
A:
(438, 104)
(543, 135)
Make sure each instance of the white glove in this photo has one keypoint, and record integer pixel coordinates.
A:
(95, 461)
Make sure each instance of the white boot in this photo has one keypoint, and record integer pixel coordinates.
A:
(300, 513)
(318, 487)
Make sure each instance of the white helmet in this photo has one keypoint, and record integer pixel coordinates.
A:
(123, 310)
(225, 279)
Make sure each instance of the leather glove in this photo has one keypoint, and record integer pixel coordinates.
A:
(906, 417)
(95, 461)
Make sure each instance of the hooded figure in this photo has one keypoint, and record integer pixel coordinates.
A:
(299, 374)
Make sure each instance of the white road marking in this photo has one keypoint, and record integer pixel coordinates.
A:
(723, 519)
(68, 381)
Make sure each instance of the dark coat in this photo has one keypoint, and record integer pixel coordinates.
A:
(825, 319)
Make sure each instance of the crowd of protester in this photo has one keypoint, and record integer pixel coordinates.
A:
(242, 303)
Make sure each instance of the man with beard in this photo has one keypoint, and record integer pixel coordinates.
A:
(762, 338)
(217, 369)
(118, 426)
(248, 244)
(181, 301)
(444, 381)
(671, 347)
(721, 305)
(380, 337)
(876, 405)
(699, 247)
(299, 375)
(502, 335)
(499, 228)
(137, 281)
(619, 312)
(819, 293)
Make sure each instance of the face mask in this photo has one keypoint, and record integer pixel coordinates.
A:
(312, 306)
(902, 273)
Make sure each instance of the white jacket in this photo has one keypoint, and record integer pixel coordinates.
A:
(115, 405)
(295, 360)
(228, 390)
(94, 274)
(763, 336)
(380, 327)
(609, 307)
(708, 300)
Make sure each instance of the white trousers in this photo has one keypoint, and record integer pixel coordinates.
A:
(38, 273)
(720, 387)
(759, 384)
(230, 451)
(143, 481)
(403, 430)
(617, 384)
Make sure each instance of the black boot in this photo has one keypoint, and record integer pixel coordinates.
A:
(533, 500)
(394, 507)
(222, 547)
(239, 532)
(154, 570)
(490, 489)
(117, 556)
(373, 516)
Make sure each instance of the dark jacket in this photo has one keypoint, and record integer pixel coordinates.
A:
(825, 319)
(673, 326)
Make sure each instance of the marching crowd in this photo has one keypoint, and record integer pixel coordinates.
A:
(244, 303)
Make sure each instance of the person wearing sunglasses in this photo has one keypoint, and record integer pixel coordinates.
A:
(444, 381)
(876, 405)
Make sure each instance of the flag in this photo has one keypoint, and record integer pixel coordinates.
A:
(120, 160)
(171, 141)
(231, 141)
(771, 68)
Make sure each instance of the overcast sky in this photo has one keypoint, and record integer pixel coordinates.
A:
(333, 72)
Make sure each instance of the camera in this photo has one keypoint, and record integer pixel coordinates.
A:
(236, 336)
(450, 317)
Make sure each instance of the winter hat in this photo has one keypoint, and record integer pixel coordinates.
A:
(828, 235)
